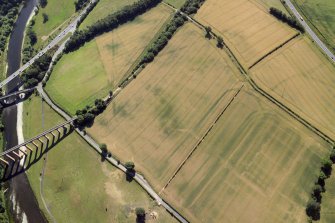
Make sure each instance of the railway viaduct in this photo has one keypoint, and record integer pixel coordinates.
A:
(19, 158)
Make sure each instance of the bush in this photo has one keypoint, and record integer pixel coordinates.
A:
(79, 4)
(327, 167)
(43, 3)
(313, 209)
(332, 156)
(140, 211)
(130, 166)
(191, 6)
(45, 17)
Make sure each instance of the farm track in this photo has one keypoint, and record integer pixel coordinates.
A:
(253, 84)
(202, 138)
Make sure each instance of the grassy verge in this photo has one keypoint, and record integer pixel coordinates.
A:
(320, 15)
(176, 3)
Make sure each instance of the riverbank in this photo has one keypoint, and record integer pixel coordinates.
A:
(22, 204)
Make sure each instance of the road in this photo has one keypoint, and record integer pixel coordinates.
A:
(69, 29)
(310, 31)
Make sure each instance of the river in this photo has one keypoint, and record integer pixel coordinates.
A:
(23, 205)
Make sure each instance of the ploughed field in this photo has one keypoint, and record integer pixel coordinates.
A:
(301, 77)
(246, 26)
(78, 187)
(256, 165)
(158, 118)
(101, 64)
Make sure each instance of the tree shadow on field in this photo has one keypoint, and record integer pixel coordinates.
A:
(208, 36)
(140, 219)
(130, 174)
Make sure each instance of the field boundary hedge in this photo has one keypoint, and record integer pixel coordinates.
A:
(107, 24)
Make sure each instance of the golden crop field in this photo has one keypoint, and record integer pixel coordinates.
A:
(257, 165)
(101, 64)
(250, 30)
(158, 118)
(301, 77)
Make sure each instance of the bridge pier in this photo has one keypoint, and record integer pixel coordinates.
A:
(17, 160)
(30, 155)
(42, 145)
(54, 137)
(17, 156)
(25, 155)
(36, 148)
(5, 164)
(11, 164)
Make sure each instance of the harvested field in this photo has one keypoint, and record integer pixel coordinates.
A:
(302, 78)
(78, 187)
(103, 9)
(256, 165)
(102, 63)
(247, 27)
(159, 117)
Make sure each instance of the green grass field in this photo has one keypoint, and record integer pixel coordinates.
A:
(59, 12)
(103, 9)
(78, 187)
(321, 14)
(256, 165)
(328, 201)
(176, 3)
(89, 73)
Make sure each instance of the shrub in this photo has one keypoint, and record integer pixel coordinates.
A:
(313, 209)
(130, 166)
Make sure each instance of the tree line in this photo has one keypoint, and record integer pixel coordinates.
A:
(191, 6)
(85, 116)
(8, 12)
(112, 21)
(80, 4)
(162, 40)
(288, 20)
(36, 72)
(313, 206)
(29, 50)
